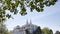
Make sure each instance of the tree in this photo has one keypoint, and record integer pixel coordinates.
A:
(12, 5)
(47, 31)
(51, 32)
(27, 32)
(37, 31)
(3, 29)
(57, 32)
(10, 32)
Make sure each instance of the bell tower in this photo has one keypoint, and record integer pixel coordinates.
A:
(27, 21)
(30, 21)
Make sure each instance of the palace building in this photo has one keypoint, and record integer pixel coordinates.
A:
(22, 30)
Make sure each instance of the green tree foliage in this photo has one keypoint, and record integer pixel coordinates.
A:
(51, 32)
(47, 31)
(12, 5)
(10, 32)
(27, 32)
(38, 31)
(3, 29)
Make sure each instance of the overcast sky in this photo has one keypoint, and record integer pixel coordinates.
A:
(50, 18)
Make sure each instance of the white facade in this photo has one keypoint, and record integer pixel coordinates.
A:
(21, 30)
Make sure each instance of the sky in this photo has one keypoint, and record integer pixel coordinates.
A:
(50, 18)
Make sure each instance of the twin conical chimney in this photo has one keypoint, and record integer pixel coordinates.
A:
(28, 22)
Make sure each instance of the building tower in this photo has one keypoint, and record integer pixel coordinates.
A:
(27, 21)
(30, 21)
